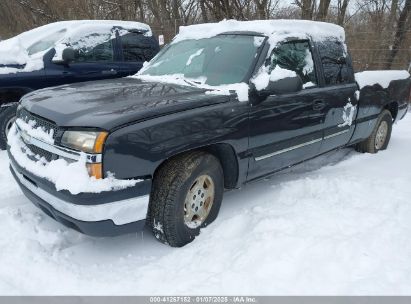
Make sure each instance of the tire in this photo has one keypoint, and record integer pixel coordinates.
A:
(375, 142)
(7, 117)
(172, 192)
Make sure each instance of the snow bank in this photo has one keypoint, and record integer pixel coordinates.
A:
(241, 89)
(336, 225)
(383, 78)
(13, 51)
(317, 30)
(71, 176)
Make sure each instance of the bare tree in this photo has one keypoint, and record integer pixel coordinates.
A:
(323, 10)
(402, 26)
(307, 8)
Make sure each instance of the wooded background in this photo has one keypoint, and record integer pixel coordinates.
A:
(378, 31)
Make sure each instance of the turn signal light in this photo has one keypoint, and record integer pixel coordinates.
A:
(100, 140)
(95, 170)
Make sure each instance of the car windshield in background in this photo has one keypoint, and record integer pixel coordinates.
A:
(46, 42)
(223, 59)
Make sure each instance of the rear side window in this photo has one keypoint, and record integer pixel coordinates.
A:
(335, 61)
(137, 47)
(295, 56)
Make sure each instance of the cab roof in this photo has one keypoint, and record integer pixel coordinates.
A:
(314, 29)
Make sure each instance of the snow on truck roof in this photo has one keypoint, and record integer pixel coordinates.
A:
(316, 30)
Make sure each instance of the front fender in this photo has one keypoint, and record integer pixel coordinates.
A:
(138, 149)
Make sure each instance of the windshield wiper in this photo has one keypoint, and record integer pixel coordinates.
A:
(192, 83)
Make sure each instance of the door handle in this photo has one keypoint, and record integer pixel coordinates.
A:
(109, 72)
(318, 104)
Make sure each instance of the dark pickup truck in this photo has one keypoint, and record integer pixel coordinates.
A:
(68, 52)
(223, 105)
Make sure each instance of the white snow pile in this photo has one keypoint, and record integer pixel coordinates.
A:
(263, 77)
(317, 30)
(71, 176)
(383, 78)
(11, 52)
(275, 30)
(37, 132)
(15, 51)
(348, 114)
(241, 89)
(190, 59)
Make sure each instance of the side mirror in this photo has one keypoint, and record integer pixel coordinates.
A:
(284, 86)
(68, 55)
(342, 60)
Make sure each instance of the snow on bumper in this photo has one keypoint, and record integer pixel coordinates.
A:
(120, 212)
(121, 205)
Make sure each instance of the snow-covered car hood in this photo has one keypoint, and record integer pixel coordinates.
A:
(111, 103)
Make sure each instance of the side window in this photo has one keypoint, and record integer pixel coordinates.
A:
(94, 48)
(137, 47)
(334, 62)
(295, 56)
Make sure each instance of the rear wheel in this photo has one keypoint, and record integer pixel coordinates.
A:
(381, 135)
(7, 118)
(186, 196)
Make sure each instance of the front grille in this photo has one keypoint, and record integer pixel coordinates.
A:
(44, 124)
(41, 152)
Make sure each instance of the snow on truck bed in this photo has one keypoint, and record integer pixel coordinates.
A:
(337, 225)
(383, 78)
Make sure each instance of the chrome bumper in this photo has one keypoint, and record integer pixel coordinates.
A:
(120, 212)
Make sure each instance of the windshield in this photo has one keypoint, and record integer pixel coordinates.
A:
(223, 59)
(46, 42)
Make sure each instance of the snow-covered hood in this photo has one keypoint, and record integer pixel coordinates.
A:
(108, 104)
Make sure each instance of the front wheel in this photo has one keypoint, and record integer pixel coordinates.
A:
(186, 196)
(380, 136)
(7, 118)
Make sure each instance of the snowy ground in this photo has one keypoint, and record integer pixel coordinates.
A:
(339, 224)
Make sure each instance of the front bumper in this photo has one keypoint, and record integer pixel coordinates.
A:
(107, 213)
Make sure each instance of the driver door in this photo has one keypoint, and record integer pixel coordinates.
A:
(96, 58)
(286, 129)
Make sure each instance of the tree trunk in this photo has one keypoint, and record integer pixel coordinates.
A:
(323, 10)
(400, 33)
(342, 10)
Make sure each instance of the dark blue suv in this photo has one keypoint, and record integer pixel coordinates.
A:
(68, 52)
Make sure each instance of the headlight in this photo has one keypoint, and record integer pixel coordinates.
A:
(89, 142)
(85, 141)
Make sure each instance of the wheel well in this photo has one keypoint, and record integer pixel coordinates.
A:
(393, 108)
(227, 157)
(12, 95)
(225, 154)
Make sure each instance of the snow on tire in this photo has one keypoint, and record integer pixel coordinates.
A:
(186, 196)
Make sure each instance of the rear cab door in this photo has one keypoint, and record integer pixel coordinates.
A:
(135, 48)
(337, 93)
